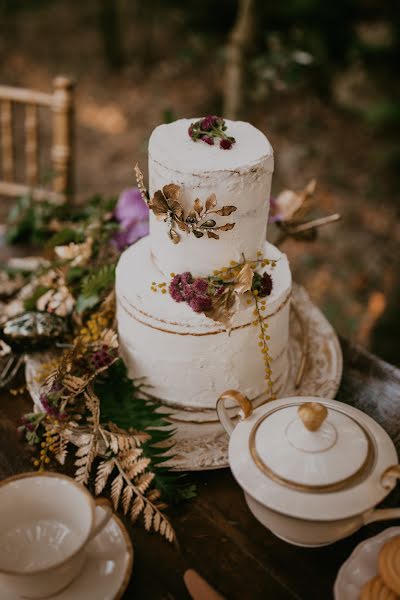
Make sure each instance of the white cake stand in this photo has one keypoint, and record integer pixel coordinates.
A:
(199, 442)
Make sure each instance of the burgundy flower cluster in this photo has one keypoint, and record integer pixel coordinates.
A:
(210, 128)
(102, 357)
(183, 288)
(262, 283)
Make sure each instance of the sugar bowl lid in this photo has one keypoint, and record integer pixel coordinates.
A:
(303, 448)
(311, 458)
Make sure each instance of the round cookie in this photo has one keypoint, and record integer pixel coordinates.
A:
(389, 564)
(375, 589)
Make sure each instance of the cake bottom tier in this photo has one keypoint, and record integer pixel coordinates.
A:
(188, 359)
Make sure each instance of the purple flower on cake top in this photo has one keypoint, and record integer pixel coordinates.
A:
(210, 128)
(132, 213)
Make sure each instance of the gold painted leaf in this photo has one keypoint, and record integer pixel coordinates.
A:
(171, 191)
(182, 225)
(224, 307)
(175, 237)
(207, 224)
(226, 227)
(176, 208)
(211, 201)
(158, 205)
(244, 279)
(198, 234)
(198, 206)
(211, 234)
(225, 211)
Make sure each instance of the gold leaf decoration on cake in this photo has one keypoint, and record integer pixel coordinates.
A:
(198, 206)
(224, 308)
(211, 201)
(167, 207)
(140, 183)
(244, 279)
(225, 211)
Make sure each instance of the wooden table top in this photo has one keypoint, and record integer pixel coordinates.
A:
(217, 534)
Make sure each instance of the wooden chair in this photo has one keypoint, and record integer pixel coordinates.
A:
(61, 105)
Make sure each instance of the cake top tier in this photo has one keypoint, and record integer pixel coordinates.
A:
(216, 209)
(172, 146)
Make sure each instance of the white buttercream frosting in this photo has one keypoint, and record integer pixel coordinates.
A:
(240, 177)
(187, 358)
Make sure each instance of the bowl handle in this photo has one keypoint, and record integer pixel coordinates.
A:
(241, 400)
(388, 481)
(381, 514)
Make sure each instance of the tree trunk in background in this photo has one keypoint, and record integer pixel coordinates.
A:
(235, 54)
(111, 32)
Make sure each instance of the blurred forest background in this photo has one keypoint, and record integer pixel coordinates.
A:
(319, 78)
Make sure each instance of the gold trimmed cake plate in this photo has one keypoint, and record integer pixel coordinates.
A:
(315, 369)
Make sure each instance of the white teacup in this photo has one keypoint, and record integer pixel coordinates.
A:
(46, 522)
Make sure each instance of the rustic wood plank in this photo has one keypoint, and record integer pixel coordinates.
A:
(31, 143)
(63, 136)
(7, 140)
(25, 96)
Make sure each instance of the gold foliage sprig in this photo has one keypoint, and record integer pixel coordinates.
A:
(166, 206)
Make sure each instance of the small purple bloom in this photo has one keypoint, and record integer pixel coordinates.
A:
(132, 213)
(200, 303)
(208, 140)
(200, 286)
(207, 123)
(225, 144)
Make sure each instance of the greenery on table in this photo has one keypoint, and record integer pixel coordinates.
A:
(119, 436)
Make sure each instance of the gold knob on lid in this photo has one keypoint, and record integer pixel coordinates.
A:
(313, 414)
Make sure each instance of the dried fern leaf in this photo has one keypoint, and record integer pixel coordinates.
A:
(116, 489)
(144, 481)
(157, 521)
(148, 516)
(104, 470)
(126, 498)
(136, 508)
(138, 467)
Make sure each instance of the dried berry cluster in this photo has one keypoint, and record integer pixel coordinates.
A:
(210, 128)
(198, 293)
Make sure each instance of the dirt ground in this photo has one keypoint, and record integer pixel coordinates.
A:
(351, 271)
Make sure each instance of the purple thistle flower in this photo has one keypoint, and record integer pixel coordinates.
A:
(200, 286)
(266, 285)
(225, 144)
(200, 303)
(207, 123)
(208, 140)
(132, 213)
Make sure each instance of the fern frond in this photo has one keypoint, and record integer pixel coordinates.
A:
(98, 281)
(116, 489)
(104, 471)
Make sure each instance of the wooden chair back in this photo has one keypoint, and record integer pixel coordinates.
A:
(61, 106)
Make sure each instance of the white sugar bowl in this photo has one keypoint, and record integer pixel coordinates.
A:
(312, 469)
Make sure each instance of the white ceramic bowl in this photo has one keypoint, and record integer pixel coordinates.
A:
(361, 566)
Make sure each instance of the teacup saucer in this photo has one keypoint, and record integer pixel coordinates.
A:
(107, 569)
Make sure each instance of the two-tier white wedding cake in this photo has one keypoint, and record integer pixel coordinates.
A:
(203, 301)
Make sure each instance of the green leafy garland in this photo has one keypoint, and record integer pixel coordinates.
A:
(119, 438)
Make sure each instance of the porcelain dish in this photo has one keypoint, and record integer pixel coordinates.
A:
(106, 572)
(312, 469)
(361, 566)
